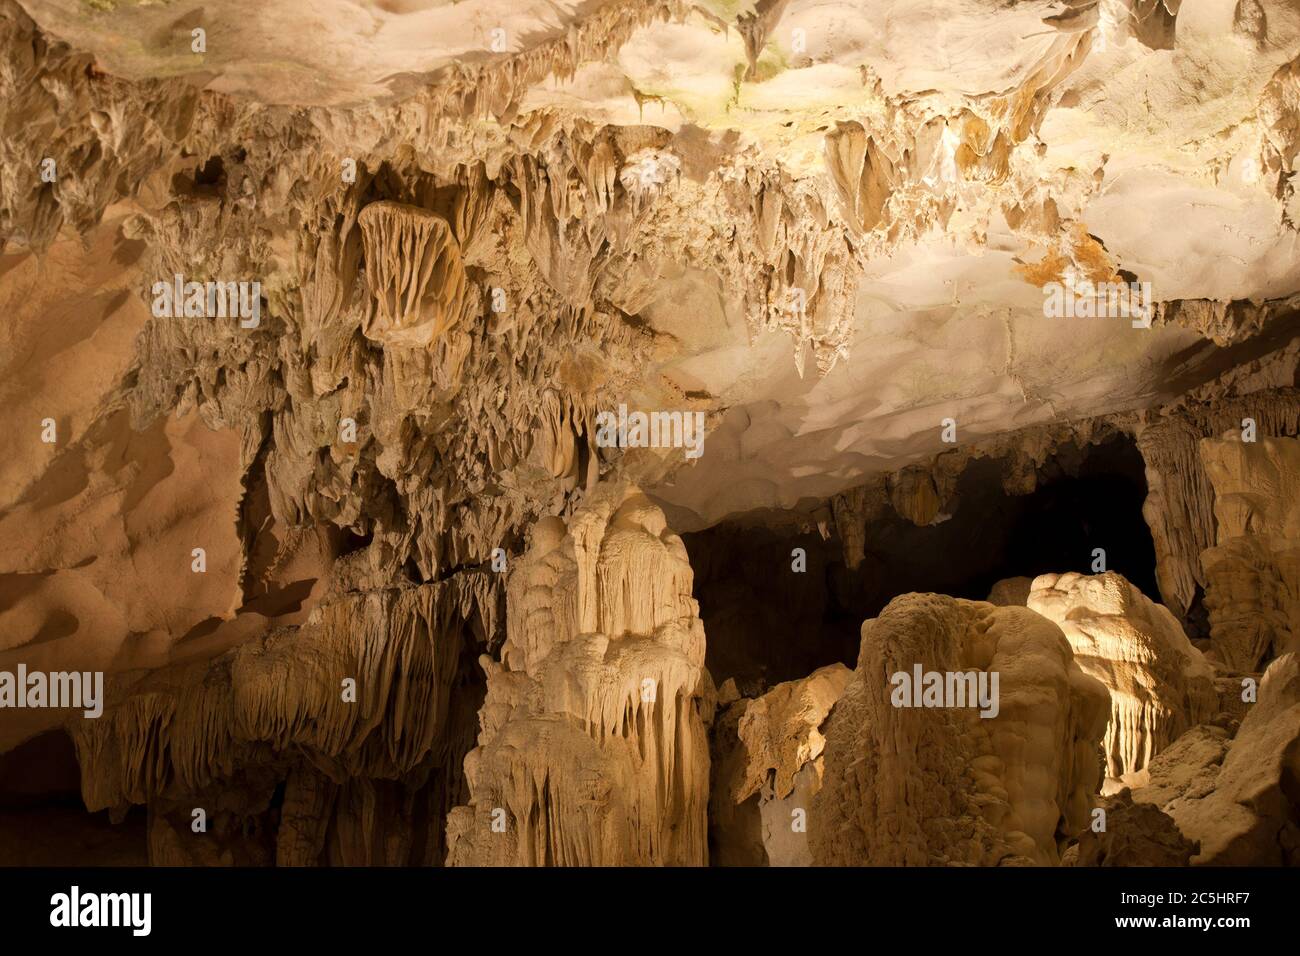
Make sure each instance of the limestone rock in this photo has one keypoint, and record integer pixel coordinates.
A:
(735, 829)
(1246, 813)
(593, 747)
(776, 766)
(1011, 591)
(1253, 570)
(414, 270)
(943, 785)
(780, 730)
(1159, 684)
(1181, 500)
(220, 735)
(1186, 769)
(1136, 834)
(466, 230)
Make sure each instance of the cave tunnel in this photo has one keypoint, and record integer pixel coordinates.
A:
(766, 623)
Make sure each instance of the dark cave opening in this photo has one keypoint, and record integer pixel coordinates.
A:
(351, 541)
(208, 178)
(43, 821)
(1087, 498)
(766, 623)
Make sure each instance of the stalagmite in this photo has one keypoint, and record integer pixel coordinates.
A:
(592, 746)
(1159, 684)
(315, 318)
(1011, 591)
(940, 784)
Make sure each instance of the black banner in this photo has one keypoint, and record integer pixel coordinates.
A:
(331, 906)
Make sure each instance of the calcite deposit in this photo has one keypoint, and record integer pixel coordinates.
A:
(1237, 798)
(946, 784)
(1159, 684)
(1253, 571)
(313, 321)
(777, 766)
(593, 748)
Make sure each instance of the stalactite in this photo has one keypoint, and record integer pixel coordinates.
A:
(1253, 570)
(373, 700)
(1180, 507)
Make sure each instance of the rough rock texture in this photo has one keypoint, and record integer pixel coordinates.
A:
(1253, 570)
(1180, 507)
(936, 786)
(466, 230)
(780, 730)
(1136, 834)
(1159, 684)
(1246, 814)
(1011, 592)
(778, 760)
(735, 829)
(1187, 769)
(845, 194)
(223, 734)
(414, 271)
(593, 747)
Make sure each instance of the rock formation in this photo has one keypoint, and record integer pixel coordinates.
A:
(1158, 682)
(777, 764)
(346, 717)
(941, 783)
(414, 271)
(592, 749)
(1239, 805)
(1253, 571)
(1136, 834)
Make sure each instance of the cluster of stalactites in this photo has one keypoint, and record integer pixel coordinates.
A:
(362, 689)
(1180, 502)
(414, 271)
(1253, 569)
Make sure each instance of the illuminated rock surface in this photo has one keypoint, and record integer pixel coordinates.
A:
(1245, 814)
(463, 231)
(945, 785)
(777, 766)
(592, 748)
(1253, 571)
(1159, 684)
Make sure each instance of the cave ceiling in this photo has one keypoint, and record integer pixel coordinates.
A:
(828, 227)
